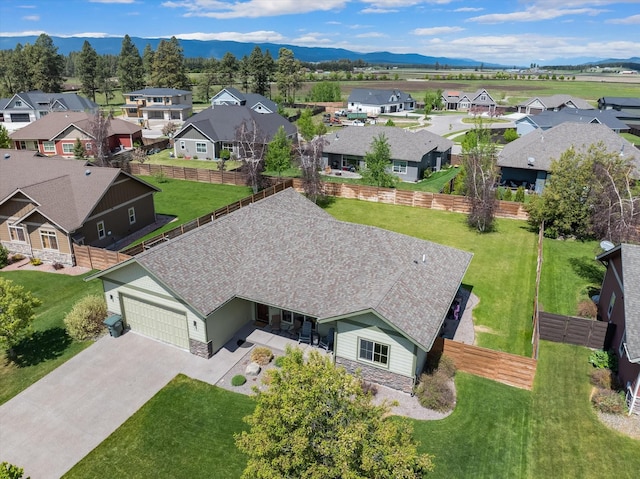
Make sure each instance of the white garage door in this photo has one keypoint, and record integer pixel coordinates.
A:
(156, 322)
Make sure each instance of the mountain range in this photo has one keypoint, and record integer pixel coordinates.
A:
(217, 49)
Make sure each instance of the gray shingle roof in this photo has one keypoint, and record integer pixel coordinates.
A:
(252, 99)
(158, 92)
(368, 96)
(219, 123)
(545, 146)
(65, 194)
(37, 100)
(287, 252)
(620, 101)
(550, 118)
(631, 279)
(404, 144)
(556, 101)
(50, 126)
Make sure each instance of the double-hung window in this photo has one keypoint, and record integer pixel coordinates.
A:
(132, 215)
(101, 233)
(201, 147)
(373, 352)
(400, 167)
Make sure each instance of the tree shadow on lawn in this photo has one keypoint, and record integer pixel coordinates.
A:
(41, 346)
(587, 269)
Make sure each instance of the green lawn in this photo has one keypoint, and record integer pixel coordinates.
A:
(501, 274)
(187, 200)
(186, 430)
(50, 345)
(164, 158)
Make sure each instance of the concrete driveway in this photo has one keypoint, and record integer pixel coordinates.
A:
(50, 426)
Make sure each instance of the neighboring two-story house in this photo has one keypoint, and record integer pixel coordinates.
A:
(57, 133)
(478, 102)
(47, 204)
(255, 101)
(158, 104)
(26, 107)
(619, 304)
(375, 102)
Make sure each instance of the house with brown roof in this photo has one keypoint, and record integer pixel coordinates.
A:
(57, 133)
(412, 152)
(619, 304)
(527, 160)
(49, 204)
(383, 296)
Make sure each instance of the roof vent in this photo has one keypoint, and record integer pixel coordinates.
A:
(7, 156)
(87, 172)
(531, 161)
(606, 245)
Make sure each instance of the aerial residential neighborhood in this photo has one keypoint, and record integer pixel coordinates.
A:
(270, 258)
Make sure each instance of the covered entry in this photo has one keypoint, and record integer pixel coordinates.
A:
(156, 321)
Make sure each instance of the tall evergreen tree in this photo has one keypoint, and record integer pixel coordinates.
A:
(288, 74)
(130, 67)
(147, 62)
(244, 72)
(168, 66)
(261, 68)
(208, 79)
(18, 70)
(46, 65)
(228, 69)
(87, 68)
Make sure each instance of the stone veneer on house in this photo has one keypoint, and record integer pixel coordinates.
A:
(377, 375)
(204, 350)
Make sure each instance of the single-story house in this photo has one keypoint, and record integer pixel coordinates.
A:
(47, 204)
(25, 107)
(619, 304)
(158, 104)
(626, 109)
(214, 129)
(558, 102)
(527, 160)
(412, 152)
(375, 102)
(255, 101)
(478, 102)
(385, 295)
(57, 133)
(550, 118)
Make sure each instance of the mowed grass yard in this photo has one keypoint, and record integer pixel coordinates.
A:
(50, 346)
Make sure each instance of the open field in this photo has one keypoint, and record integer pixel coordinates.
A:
(50, 345)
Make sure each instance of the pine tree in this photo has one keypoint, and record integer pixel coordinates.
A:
(278, 157)
(261, 67)
(228, 68)
(46, 65)
(168, 66)
(130, 67)
(288, 74)
(147, 62)
(87, 68)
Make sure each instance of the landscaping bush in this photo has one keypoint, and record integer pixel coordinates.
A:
(4, 256)
(519, 195)
(35, 261)
(603, 378)
(84, 321)
(604, 359)
(238, 380)
(510, 135)
(279, 361)
(261, 355)
(608, 401)
(369, 388)
(508, 195)
(57, 266)
(434, 391)
(587, 309)
(16, 257)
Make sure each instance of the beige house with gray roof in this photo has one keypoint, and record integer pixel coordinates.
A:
(47, 204)
(384, 295)
(412, 152)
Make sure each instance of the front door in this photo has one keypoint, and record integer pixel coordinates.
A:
(262, 313)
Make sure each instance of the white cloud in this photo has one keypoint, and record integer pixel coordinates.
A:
(436, 30)
(372, 35)
(111, 1)
(251, 8)
(533, 14)
(378, 10)
(632, 20)
(27, 33)
(248, 37)
(88, 35)
(403, 3)
(32, 18)
(468, 9)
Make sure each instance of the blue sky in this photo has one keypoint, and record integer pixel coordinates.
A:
(506, 32)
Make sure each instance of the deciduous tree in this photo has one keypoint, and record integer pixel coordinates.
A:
(377, 162)
(16, 314)
(99, 131)
(314, 420)
(251, 142)
(325, 91)
(278, 157)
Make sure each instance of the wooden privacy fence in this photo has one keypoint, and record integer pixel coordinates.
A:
(572, 330)
(421, 199)
(191, 174)
(96, 258)
(510, 369)
(208, 218)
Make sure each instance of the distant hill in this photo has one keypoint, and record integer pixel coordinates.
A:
(217, 49)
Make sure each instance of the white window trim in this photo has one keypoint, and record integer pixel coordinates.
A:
(49, 233)
(372, 361)
(49, 147)
(132, 215)
(183, 145)
(64, 149)
(400, 167)
(622, 348)
(200, 144)
(101, 230)
(612, 303)
(24, 233)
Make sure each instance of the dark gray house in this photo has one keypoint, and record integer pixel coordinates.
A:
(412, 152)
(527, 160)
(207, 133)
(550, 118)
(30, 106)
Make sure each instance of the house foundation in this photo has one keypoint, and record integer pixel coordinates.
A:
(379, 376)
(204, 350)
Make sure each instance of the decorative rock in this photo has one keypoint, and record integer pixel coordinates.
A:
(253, 369)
